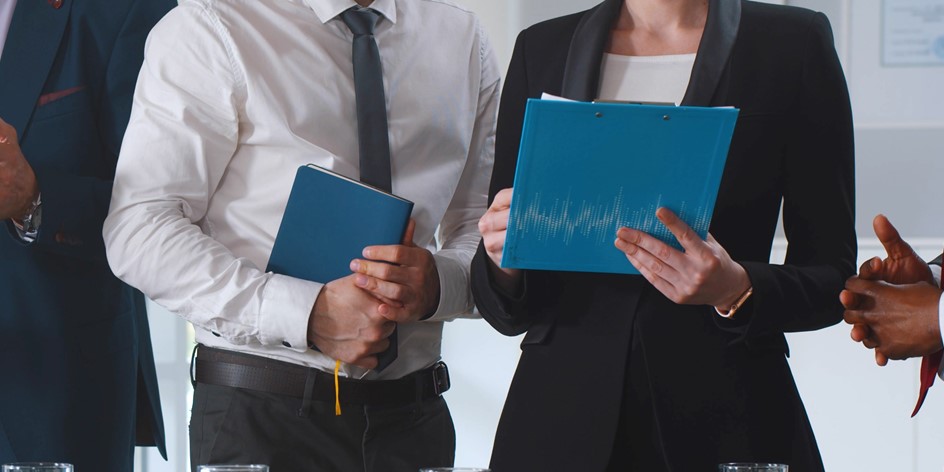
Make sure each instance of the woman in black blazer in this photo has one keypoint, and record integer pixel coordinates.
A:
(620, 373)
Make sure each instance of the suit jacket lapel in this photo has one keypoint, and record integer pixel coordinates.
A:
(721, 30)
(32, 43)
(582, 70)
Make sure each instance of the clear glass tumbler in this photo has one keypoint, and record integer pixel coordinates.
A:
(453, 469)
(37, 467)
(233, 468)
(752, 467)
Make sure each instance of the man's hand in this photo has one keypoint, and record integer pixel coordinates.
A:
(902, 319)
(702, 275)
(346, 324)
(18, 187)
(902, 265)
(403, 277)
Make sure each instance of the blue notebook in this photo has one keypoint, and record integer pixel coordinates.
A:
(586, 169)
(328, 221)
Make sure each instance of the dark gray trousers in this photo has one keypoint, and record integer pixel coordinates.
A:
(238, 426)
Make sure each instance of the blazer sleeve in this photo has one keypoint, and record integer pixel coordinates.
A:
(74, 204)
(507, 313)
(818, 203)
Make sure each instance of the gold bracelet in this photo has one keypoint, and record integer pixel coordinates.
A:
(737, 303)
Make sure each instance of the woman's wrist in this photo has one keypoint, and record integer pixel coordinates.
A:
(737, 290)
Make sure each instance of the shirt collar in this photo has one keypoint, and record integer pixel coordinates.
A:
(328, 10)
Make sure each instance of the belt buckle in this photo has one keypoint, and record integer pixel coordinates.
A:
(440, 378)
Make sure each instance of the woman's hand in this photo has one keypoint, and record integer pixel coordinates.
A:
(702, 275)
(494, 225)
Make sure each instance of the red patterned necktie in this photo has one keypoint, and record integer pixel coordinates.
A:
(930, 364)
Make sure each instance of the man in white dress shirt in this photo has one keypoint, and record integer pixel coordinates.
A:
(233, 97)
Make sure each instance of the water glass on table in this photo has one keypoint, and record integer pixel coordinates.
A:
(233, 468)
(38, 467)
(752, 467)
(453, 469)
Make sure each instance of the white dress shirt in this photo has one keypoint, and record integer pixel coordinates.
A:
(6, 17)
(233, 97)
(936, 271)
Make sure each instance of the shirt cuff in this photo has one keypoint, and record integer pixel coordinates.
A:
(940, 318)
(23, 235)
(936, 272)
(286, 309)
(455, 294)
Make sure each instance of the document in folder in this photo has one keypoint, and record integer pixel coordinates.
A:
(328, 221)
(586, 169)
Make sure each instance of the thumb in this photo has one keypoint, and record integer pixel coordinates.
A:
(890, 238)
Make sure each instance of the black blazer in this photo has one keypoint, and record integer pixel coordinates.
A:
(699, 389)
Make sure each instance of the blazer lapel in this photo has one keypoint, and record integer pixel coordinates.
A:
(721, 30)
(32, 43)
(582, 70)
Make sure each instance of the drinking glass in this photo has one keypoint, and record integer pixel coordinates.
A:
(233, 468)
(750, 467)
(453, 469)
(37, 467)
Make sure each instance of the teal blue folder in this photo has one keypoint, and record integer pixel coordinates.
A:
(328, 221)
(586, 169)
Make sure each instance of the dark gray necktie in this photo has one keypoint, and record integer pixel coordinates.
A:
(372, 138)
(369, 92)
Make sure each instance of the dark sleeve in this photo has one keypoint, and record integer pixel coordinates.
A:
(75, 206)
(507, 314)
(818, 202)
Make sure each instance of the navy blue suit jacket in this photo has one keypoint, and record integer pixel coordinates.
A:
(76, 364)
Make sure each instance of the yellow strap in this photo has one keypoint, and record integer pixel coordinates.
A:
(337, 391)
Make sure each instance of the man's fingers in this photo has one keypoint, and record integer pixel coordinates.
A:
(408, 234)
(871, 269)
(864, 289)
(389, 291)
(881, 359)
(397, 254)
(854, 317)
(859, 332)
(401, 314)
(890, 238)
(849, 300)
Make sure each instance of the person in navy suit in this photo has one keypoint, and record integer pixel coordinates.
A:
(76, 366)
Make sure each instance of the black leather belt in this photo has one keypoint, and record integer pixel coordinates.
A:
(240, 370)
